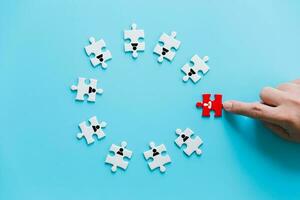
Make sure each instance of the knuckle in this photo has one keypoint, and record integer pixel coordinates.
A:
(295, 101)
(257, 110)
(287, 120)
(294, 120)
(281, 86)
(292, 100)
(285, 86)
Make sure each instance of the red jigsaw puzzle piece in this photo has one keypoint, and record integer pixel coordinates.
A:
(208, 105)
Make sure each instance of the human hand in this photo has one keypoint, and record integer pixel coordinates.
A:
(279, 109)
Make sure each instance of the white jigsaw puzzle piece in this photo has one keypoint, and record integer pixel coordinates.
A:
(95, 128)
(120, 152)
(192, 144)
(90, 89)
(134, 35)
(100, 56)
(169, 43)
(159, 160)
(192, 72)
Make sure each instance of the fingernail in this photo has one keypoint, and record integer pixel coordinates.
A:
(227, 105)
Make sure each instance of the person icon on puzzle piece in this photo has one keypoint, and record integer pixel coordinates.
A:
(278, 108)
(134, 36)
(166, 51)
(158, 159)
(100, 56)
(117, 161)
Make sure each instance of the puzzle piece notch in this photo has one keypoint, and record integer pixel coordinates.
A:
(90, 89)
(159, 160)
(208, 105)
(165, 50)
(120, 152)
(95, 128)
(100, 56)
(192, 71)
(192, 144)
(134, 35)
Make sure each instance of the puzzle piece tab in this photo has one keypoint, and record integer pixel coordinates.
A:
(166, 50)
(120, 152)
(159, 160)
(95, 128)
(192, 144)
(208, 105)
(192, 71)
(86, 89)
(100, 55)
(134, 35)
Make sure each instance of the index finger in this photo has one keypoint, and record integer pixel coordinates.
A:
(254, 110)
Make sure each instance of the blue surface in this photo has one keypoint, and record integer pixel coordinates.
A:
(250, 43)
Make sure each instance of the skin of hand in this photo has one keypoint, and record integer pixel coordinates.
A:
(279, 109)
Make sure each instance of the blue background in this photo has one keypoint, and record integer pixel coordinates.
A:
(250, 43)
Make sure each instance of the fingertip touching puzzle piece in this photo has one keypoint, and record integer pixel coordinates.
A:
(158, 160)
(192, 72)
(134, 35)
(209, 105)
(192, 144)
(117, 160)
(86, 89)
(88, 131)
(100, 55)
(167, 49)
